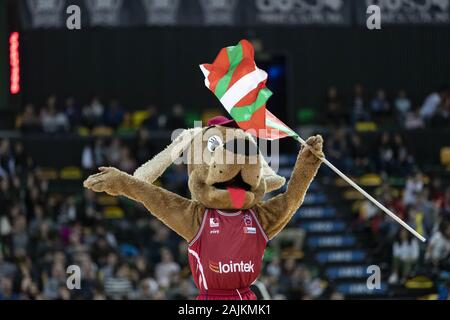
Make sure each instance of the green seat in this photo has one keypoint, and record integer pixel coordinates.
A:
(306, 115)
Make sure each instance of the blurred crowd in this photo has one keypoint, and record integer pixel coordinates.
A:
(56, 116)
(424, 203)
(398, 109)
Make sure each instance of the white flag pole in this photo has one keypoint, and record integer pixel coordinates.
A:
(368, 196)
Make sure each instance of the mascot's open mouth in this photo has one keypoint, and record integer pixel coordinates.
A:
(236, 188)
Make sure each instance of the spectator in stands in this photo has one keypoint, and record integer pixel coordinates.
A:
(402, 106)
(53, 121)
(405, 254)
(73, 112)
(114, 152)
(333, 106)
(7, 161)
(438, 251)
(359, 154)
(100, 152)
(380, 106)
(154, 120)
(87, 158)
(144, 149)
(337, 149)
(93, 113)
(176, 120)
(442, 116)
(28, 121)
(444, 205)
(428, 210)
(120, 285)
(403, 160)
(56, 278)
(166, 268)
(147, 289)
(359, 111)
(414, 186)
(413, 120)
(432, 102)
(6, 290)
(127, 162)
(115, 114)
(385, 153)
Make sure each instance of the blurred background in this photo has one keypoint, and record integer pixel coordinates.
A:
(112, 92)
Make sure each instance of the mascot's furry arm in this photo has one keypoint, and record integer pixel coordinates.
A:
(182, 215)
(276, 212)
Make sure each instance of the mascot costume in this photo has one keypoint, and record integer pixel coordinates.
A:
(227, 221)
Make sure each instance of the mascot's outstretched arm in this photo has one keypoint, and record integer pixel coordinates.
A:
(178, 213)
(275, 213)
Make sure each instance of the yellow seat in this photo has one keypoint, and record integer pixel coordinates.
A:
(419, 282)
(370, 180)
(71, 173)
(107, 200)
(339, 182)
(431, 296)
(48, 174)
(366, 126)
(102, 131)
(353, 194)
(445, 156)
(113, 212)
(83, 131)
(138, 117)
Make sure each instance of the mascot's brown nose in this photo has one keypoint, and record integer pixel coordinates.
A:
(242, 147)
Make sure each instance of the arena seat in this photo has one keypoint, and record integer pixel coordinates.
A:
(352, 194)
(47, 173)
(370, 180)
(102, 131)
(138, 117)
(113, 212)
(366, 126)
(445, 156)
(107, 200)
(71, 173)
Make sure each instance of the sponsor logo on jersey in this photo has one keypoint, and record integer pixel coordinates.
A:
(213, 222)
(250, 230)
(231, 267)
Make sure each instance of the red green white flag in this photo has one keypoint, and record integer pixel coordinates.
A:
(240, 86)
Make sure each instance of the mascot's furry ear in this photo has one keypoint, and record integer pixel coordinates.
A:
(273, 181)
(154, 168)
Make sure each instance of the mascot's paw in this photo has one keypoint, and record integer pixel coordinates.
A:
(307, 155)
(109, 180)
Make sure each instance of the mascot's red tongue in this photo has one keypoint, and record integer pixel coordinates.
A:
(237, 196)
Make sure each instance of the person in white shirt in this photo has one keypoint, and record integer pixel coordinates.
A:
(431, 103)
(405, 253)
(439, 247)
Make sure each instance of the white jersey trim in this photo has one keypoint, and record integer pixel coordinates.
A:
(229, 214)
(200, 267)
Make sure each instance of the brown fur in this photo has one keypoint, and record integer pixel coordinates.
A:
(184, 215)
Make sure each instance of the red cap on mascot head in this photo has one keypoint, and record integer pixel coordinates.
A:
(222, 121)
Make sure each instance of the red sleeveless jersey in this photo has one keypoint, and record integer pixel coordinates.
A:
(227, 252)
